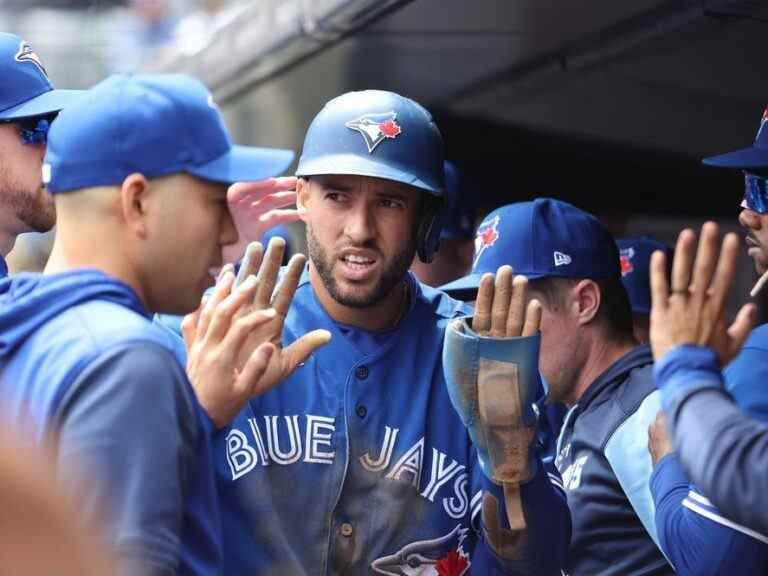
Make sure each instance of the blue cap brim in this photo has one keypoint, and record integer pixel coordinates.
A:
(46, 103)
(357, 166)
(468, 285)
(744, 158)
(462, 287)
(245, 164)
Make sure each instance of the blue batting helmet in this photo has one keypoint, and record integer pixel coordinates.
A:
(383, 135)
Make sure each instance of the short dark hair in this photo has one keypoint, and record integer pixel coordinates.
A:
(615, 312)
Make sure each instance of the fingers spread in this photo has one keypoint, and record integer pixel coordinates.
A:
(242, 327)
(253, 191)
(532, 318)
(248, 380)
(501, 301)
(224, 312)
(220, 292)
(517, 307)
(704, 265)
(251, 262)
(189, 327)
(726, 270)
(270, 267)
(481, 321)
(274, 200)
(683, 261)
(659, 282)
(301, 349)
(742, 326)
(288, 283)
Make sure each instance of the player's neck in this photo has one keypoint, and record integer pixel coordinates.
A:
(376, 318)
(602, 355)
(79, 249)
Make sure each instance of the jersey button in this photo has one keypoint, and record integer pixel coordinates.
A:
(346, 529)
(362, 372)
(361, 410)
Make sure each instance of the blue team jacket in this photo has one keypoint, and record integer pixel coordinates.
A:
(358, 464)
(606, 467)
(698, 539)
(60, 331)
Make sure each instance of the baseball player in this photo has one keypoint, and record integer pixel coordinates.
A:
(358, 464)
(634, 261)
(139, 169)
(454, 257)
(591, 362)
(694, 533)
(28, 105)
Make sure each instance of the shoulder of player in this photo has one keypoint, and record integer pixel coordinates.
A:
(141, 377)
(100, 326)
(438, 302)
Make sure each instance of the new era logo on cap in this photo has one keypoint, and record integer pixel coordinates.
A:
(375, 128)
(561, 259)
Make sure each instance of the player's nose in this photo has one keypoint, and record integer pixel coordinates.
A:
(359, 223)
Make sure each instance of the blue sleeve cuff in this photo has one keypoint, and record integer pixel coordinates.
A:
(684, 370)
(667, 475)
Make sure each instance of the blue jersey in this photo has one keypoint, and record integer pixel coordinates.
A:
(3, 268)
(694, 534)
(724, 451)
(81, 361)
(358, 464)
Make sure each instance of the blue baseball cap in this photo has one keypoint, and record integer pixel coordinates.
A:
(756, 156)
(459, 212)
(635, 262)
(540, 239)
(26, 90)
(154, 124)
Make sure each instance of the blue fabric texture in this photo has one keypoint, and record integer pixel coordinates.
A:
(79, 356)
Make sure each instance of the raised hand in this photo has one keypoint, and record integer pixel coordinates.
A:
(692, 312)
(234, 340)
(258, 206)
(501, 310)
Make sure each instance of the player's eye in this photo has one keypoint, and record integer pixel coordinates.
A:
(391, 203)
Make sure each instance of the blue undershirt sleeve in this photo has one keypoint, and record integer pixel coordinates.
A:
(128, 428)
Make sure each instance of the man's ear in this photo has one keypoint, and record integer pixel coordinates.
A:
(134, 199)
(588, 299)
(302, 197)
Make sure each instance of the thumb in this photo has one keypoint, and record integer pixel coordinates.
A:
(741, 327)
(255, 367)
(300, 350)
(189, 327)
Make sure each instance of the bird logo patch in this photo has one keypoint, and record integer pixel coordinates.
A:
(375, 128)
(487, 234)
(442, 556)
(625, 260)
(26, 54)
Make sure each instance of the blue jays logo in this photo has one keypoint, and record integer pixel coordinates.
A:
(625, 260)
(439, 557)
(26, 54)
(487, 234)
(375, 128)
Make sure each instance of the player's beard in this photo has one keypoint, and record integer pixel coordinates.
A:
(391, 276)
(33, 208)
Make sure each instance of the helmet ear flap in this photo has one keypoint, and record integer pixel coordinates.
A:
(430, 225)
